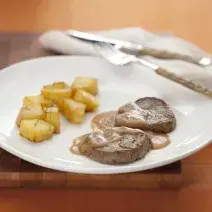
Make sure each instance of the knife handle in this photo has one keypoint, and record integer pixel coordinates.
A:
(161, 54)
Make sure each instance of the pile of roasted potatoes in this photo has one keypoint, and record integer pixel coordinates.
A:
(39, 116)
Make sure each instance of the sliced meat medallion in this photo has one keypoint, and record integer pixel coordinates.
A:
(115, 145)
(147, 113)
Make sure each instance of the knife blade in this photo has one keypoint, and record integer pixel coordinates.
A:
(93, 38)
(125, 46)
(138, 49)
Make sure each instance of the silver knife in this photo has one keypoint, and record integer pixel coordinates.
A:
(137, 49)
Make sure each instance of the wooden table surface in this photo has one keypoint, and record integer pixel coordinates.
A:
(188, 19)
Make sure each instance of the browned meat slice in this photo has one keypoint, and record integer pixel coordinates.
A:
(114, 145)
(147, 113)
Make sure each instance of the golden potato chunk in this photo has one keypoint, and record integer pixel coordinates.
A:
(56, 85)
(74, 111)
(51, 116)
(32, 100)
(29, 112)
(37, 100)
(36, 130)
(88, 99)
(88, 84)
(56, 93)
(59, 104)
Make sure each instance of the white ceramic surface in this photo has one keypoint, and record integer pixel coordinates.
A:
(118, 85)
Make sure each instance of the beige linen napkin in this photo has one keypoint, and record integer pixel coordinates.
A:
(197, 76)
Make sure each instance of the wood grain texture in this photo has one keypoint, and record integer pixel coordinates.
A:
(184, 200)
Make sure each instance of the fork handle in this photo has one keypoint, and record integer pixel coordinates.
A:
(161, 54)
(189, 84)
(167, 74)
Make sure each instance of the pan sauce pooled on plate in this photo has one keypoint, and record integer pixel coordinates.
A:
(114, 144)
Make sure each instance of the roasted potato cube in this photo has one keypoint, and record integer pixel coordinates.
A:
(56, 85)
(56, 93)
(37, 100)
(88, 84)
(47, 103)
(88, 99)
(29, 112)
(60, 105)
(51, 116)
(74, 111)
(36, 130)
(32, 100)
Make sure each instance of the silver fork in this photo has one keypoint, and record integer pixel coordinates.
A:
(138, 49)
(117, 57)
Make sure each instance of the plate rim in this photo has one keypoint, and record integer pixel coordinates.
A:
(113, 168)
(96, 171)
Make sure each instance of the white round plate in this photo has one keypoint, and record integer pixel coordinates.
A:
(118, 85)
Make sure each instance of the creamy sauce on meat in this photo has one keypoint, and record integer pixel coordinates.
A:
(107, 119)
(110, 135)
(98, 139)
(103, 120)
(132, 115)
(134, 112)
(140, 110)
(77, 143)
(149, 114)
